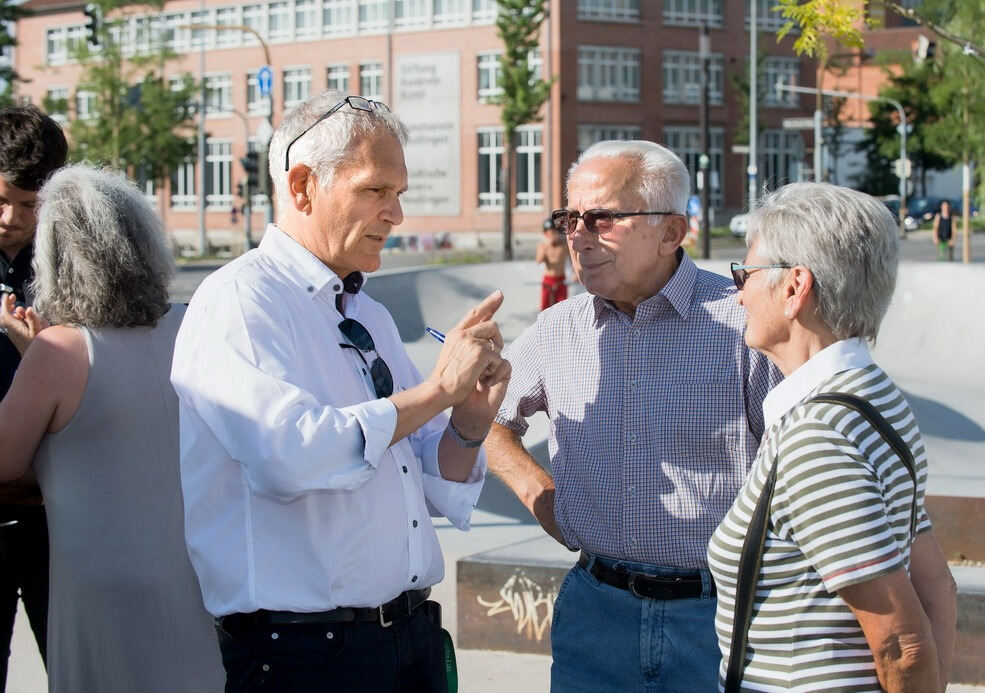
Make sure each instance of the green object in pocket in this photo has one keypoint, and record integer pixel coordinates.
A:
(451, 666)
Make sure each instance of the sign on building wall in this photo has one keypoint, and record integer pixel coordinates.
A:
(428, 99)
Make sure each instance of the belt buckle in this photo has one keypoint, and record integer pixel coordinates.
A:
(383, 621)
(632, 583)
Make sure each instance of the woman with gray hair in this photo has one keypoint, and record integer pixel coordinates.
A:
(829, 576)
(92, 414)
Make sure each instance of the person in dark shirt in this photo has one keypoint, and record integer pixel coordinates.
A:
(32, 147)
(944, 233)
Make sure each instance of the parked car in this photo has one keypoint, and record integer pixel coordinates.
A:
(738, 225)
(892, 204)
(923, 208)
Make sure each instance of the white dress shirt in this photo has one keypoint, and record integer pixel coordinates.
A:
(293, 499)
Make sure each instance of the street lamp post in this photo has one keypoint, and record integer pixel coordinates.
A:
(753, 168)
(904, 172)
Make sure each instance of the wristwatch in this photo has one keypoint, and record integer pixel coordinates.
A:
(463, 442)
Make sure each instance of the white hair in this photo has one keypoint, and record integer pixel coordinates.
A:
(664, 184)
(329, 143)
(847, 239)
(100, 255)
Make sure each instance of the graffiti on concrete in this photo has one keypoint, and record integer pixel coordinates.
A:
(531, 605)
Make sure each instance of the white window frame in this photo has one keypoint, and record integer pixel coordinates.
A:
(297, 85)
(373, 16)
(766, 18)
(85, 104)
(371, 79)
(337, 17)
(256, 104)
(682, 77)
(694, 13)
(450, 12)
(306, 25)
(609, 10)
(491, 147)
(337, 77)
(176, 36)
(408, 14)
(780, 154)
(201, 37)
(783, 69)
(484, 11)
(530, 161)
(228, 16)
(254, 17)
(685, 141)
(58, 93)
(488, 69)
(280, 21)
(183, 182)
(590, 134)
(218, 174)
(218, 94)
(609, 73)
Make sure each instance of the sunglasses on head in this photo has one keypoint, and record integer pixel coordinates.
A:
(361, 340)
(740, 273)
(597, 221)
(356, 103)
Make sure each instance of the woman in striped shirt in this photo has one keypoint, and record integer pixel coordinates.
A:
(848, 597)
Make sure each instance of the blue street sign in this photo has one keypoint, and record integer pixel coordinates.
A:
(265, 80)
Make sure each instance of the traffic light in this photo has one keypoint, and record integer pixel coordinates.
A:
(92, 24)
(252, 167)
(239, 189)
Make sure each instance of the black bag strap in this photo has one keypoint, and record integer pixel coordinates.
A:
(751, 558)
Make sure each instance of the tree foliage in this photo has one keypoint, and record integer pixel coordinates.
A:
(9, 14)
(141, 122)
(524, 92)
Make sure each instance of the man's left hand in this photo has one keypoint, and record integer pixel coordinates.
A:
(21, 325)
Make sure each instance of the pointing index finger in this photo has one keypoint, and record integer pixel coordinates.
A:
(483, 311)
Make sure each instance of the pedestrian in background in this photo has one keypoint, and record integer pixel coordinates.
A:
(32, 146)
(552, 252)
(944, 232)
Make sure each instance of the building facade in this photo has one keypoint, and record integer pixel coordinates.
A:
(622, 69)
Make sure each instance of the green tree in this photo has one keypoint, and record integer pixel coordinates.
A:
(141, 123)
(9, 14)
(523, 91)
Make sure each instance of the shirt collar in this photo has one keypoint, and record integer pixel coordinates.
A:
(678, 291)
(304, 269)
(840, 356)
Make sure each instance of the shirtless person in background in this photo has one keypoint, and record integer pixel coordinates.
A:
(552, 252)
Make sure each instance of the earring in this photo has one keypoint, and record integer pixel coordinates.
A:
(786, 313)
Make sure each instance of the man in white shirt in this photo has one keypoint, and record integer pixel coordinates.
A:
(312, 451)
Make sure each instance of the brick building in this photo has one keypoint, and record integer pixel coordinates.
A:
(623, 69)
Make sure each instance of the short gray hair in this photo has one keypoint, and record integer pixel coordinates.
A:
(663, 180)
(327, 146)
(100, 258)
(847, 239)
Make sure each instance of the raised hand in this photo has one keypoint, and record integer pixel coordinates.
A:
(20, 324)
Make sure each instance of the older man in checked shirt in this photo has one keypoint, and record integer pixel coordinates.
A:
(655, 405)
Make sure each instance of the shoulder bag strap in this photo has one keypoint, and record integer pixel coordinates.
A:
(751, 558)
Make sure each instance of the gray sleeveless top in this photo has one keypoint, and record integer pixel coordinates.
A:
(125, 610)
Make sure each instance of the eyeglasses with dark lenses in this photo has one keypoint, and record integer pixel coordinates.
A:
(356, 103)
(740, 273)
(360, 339)
(597, 221)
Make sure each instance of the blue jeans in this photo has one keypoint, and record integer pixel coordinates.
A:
(605, 639)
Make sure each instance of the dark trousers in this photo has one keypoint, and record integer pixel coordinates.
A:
(24, 575)
(406, 656)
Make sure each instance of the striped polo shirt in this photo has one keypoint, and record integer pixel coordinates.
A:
(840, 516)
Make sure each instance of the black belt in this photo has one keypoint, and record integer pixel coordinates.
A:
(385, 614)
(644, 585)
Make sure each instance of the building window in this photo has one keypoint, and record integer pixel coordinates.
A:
(767, 16)
(450, 12)
(218, 174)
(56, 103)
(183, 186)
(56, 47)
(254, 17)
(371, 80)
(279, 18)
(228, 16)
(297, 86)
(529, 153)
(202, 37)
(484, 11)
(608, 74)
(780, 155)
(609, 10)
(693, 12)
(489, 75)
(176, 34)
(490, 168)
(411, 13)
(218, 94)
(373, 15)
(257, 200)
(682, 77)
(782, 70)
(590, 134)
(686, 143)
(305, 19)
(85, 104)
(338, 78)
(336, 17)
(256, 105)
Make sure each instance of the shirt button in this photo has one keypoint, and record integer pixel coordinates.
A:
(415, 523)
(632, 438)
(404, 468)
(335, 287)
(274, 636)
(266, 667)
(414, 579)
(631, 489)
(632, 386)
(632, 540)
(329, 635)
(311, 289)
